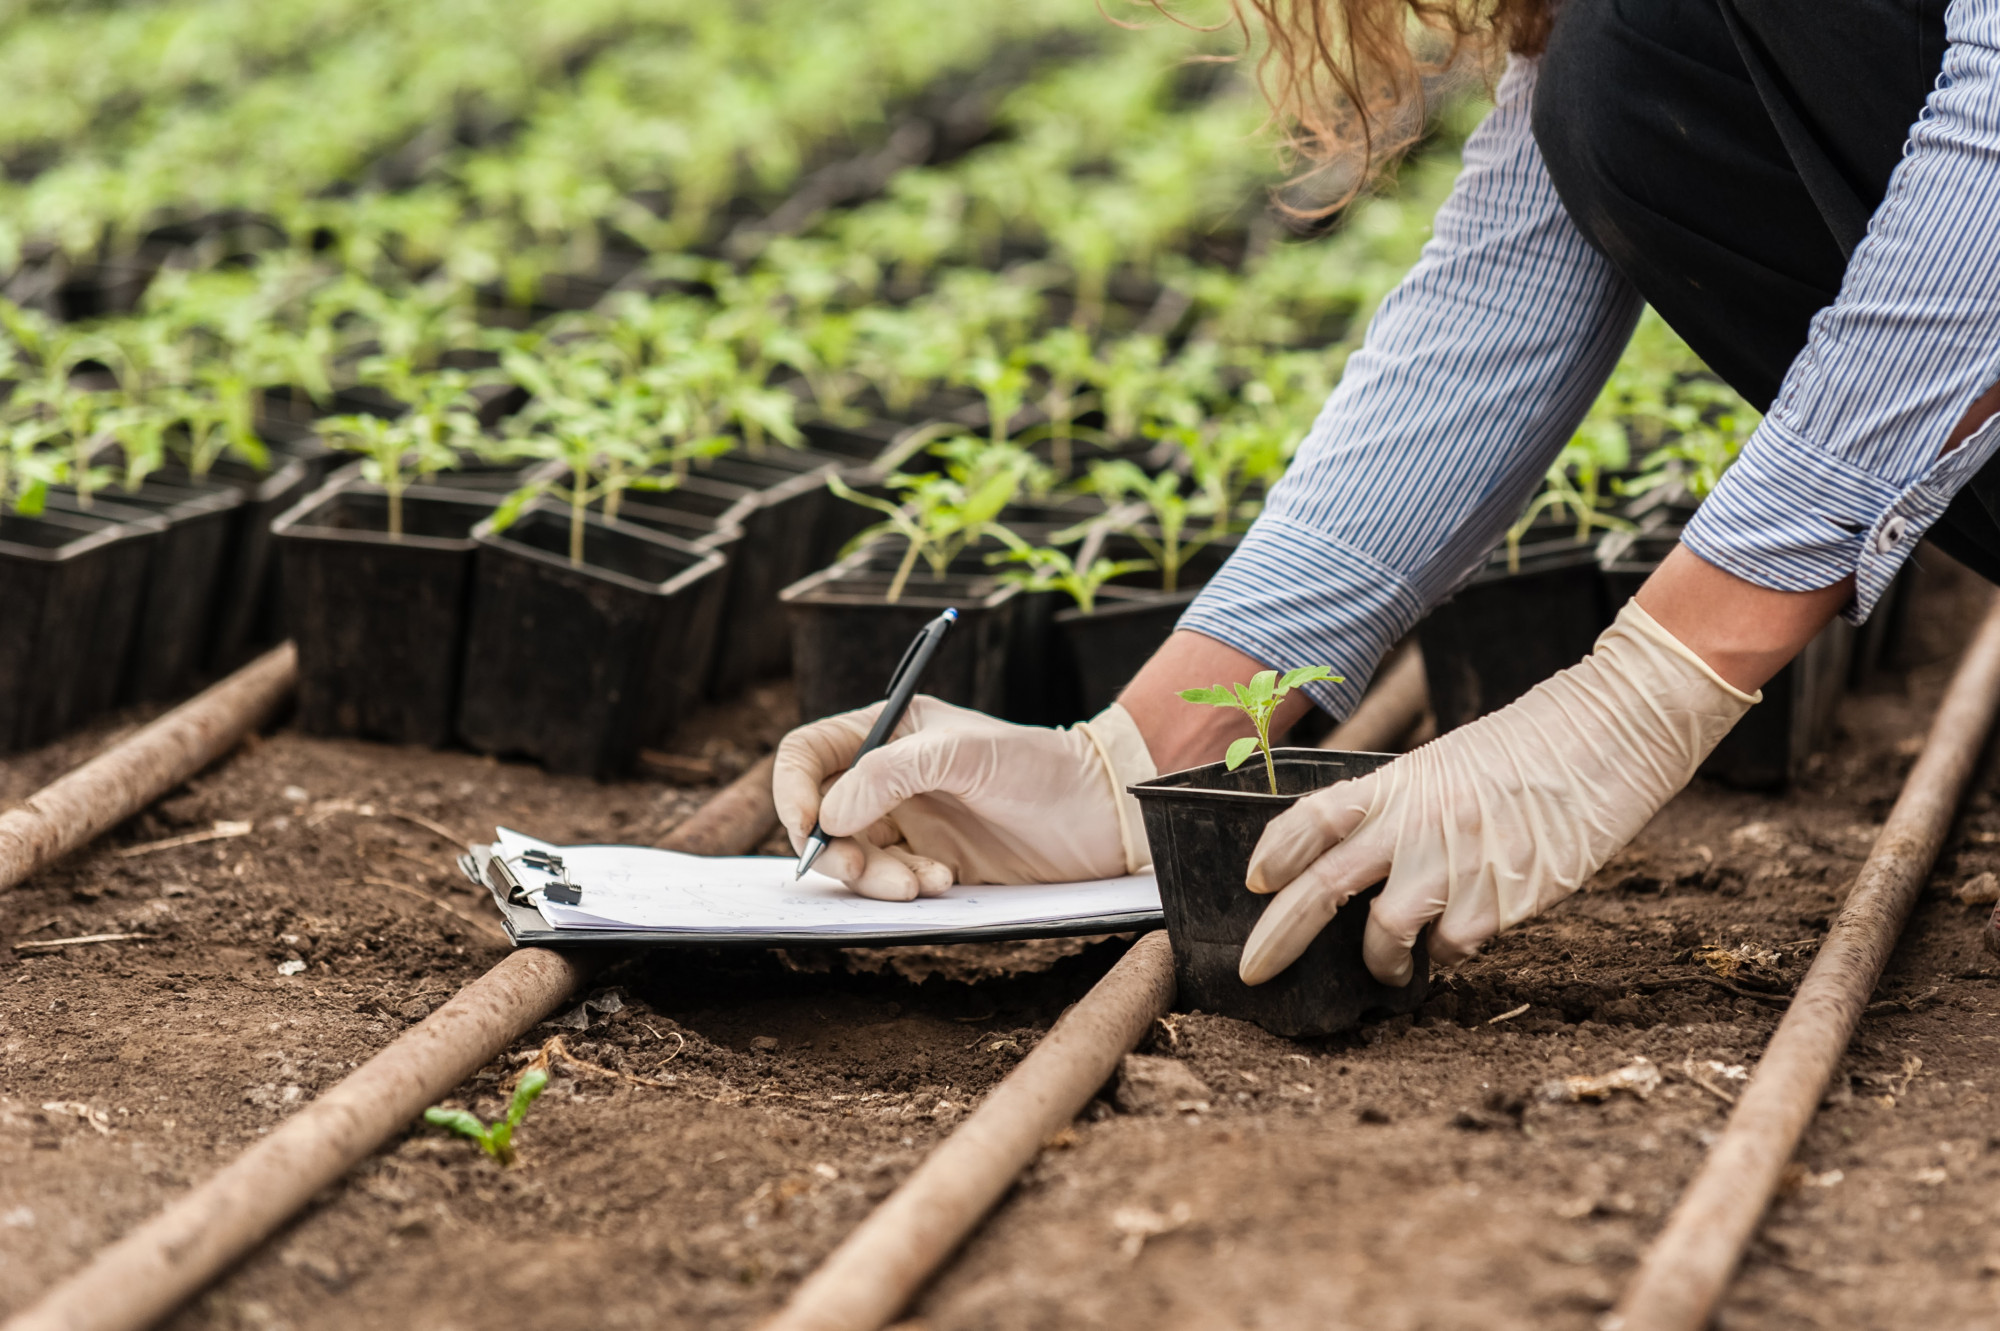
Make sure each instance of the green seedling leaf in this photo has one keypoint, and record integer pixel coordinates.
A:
(1257, 700)
(460, 1121)
(533, 1082)
(496, 1139)
(1304, 675)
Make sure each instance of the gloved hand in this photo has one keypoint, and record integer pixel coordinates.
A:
(957, 796)
(1499, 819)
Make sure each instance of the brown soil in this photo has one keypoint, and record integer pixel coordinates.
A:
(1411, 1176)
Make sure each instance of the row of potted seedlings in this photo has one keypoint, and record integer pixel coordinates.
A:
(570, 610)
(134, 592)
(1063, 590)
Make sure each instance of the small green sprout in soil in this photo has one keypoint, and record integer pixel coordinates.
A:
(497, 1138)
(1259, 701)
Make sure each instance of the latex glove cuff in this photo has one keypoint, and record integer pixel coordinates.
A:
(1127, 761)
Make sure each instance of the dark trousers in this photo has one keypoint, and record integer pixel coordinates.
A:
(1726, 155)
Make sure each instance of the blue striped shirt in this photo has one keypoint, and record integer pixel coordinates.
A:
(1479, 366)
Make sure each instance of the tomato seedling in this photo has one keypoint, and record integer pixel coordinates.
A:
(1259, 701)
(496, 1138)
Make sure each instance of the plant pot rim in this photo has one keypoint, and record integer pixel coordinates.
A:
(62, 503)
(705, 562)
(101, 532)
(292, 523)
(1126, 601)
(200, 497)
(282, 470)
(721, 531)
(813, 589)
(1541, 557)
(739, 501)
(1158, 789)
(798, 482)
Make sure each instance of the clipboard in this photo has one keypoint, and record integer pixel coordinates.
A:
(515, 886)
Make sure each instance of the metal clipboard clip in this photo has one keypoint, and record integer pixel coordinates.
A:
(562, 891)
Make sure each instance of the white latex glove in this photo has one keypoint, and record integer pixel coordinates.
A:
(1499, 819)
(957, 796)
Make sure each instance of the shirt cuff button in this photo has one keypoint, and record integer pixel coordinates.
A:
(1892, 534)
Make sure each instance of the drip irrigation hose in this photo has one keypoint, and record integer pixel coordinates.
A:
(1683, 1275)
(875, 1273)
(137, 770)
(150, 1272)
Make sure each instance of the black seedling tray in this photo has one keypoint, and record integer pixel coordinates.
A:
(248, 615)
(847, 639)
(579, 666)
(170, 645)
(380, 624)
(1202, 825)
(1505, 632)
(73, 585)
(784, 538)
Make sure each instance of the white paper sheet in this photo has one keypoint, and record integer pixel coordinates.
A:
(636, 887)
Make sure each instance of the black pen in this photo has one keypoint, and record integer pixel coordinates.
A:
(902, 688)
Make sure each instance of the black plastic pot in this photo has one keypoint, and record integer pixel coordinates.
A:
(1505, 631)
(792, 480)
(847, 639)
(786, 535)
(380, 624)
(183, 578)
(876, 432)
(864, 443)
(580, 666)
(1099, 652)
(248, 610)
(1202, 825)
(739, 619)
(73, 585)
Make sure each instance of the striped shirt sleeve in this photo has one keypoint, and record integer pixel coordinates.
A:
(1847, 471)
(1474, 373)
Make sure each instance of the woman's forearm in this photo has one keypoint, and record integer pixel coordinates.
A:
(1744, 632)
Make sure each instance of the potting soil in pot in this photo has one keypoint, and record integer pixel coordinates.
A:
(1202, 825)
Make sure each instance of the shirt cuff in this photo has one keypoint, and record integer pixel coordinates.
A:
(1290, 597)
(1790, 516)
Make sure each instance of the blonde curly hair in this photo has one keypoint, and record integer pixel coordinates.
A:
(1346, 79)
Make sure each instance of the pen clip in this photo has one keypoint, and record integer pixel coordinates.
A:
(902, 666)
(933, 629)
